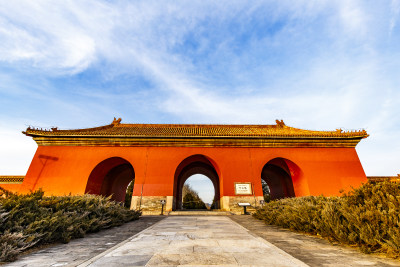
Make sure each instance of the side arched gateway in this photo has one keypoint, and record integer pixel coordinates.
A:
(278, 174)
(111, 177)
(196, 164)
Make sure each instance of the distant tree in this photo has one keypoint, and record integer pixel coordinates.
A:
(214, 205)
(191, 199)
(266, 191)
(129, 192)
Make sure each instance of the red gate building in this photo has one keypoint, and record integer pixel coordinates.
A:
(161, 157)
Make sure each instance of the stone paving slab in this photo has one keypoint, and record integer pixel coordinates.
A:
(195, 241)
(82, 249)
(311, 250)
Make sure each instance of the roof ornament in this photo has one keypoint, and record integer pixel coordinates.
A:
(364, 132)
(116, 122)
(280, 123)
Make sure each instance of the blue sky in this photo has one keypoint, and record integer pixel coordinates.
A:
(317, 65)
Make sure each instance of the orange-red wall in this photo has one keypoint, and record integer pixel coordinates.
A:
(11, 187)
(60, 170)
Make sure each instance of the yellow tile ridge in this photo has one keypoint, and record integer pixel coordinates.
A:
(116, 128)
(11, 179)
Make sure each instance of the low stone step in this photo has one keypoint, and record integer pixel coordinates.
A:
(200, 213)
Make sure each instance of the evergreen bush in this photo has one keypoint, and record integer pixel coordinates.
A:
(33, 219)
(368, 217)
(191, 199)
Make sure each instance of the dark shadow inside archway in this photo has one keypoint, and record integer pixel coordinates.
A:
(197, 164)
(111, 177)
(276, 174)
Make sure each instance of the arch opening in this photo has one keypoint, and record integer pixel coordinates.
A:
(198, 192)
(277, 176)
(111, 177)
(197, 164)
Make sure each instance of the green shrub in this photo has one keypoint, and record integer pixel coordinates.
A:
(191, 199)
(368, 216)
(191, 202)
(33, 219)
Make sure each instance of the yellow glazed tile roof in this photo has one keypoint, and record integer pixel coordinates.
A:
(11, 179)
(118, 129)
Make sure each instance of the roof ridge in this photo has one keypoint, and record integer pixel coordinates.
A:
(116, 128)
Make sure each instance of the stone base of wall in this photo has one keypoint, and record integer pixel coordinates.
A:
(230, 203)
(151, 205)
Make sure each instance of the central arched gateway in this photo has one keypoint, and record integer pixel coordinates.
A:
(196, 164)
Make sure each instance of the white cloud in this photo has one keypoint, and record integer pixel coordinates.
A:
(17, 151)
(353, 17)
(395, 10)
(53, 36)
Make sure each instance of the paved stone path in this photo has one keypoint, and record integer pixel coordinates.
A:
(193, 241)
(312, 250)
(199, 240)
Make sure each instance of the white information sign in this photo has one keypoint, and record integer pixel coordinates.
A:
(243, 189)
